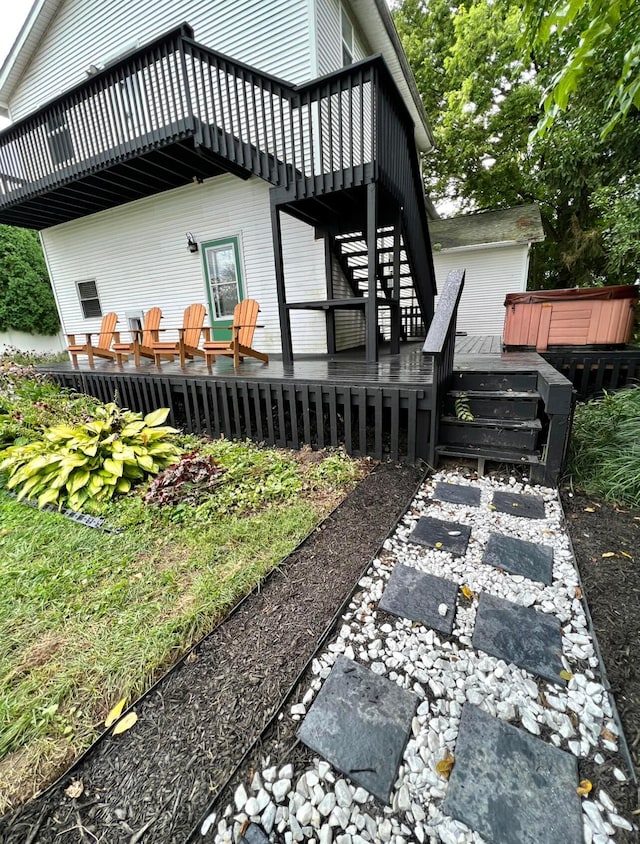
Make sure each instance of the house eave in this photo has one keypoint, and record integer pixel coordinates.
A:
(376, 23)
(38, 20)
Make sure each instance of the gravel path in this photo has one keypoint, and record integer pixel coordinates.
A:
(294, 795)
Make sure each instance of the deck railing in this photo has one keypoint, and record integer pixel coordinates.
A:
(136, 104)
(440, 344)
(320, 136)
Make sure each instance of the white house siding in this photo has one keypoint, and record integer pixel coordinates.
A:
(491, 273)
(137, 254)
(329, 37)
(274, 37)
(350, 326)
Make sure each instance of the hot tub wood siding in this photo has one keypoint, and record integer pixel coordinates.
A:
(571, 322)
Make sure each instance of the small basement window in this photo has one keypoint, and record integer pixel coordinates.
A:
(88, 295)
(347, 38)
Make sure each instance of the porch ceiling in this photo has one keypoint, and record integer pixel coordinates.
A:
(107, 187)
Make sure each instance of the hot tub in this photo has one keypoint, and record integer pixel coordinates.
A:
(598, 316)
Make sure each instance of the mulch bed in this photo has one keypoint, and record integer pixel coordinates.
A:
(612, 587)
(154, 782)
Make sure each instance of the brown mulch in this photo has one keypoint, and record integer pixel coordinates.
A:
(153, 783)
(606, 540)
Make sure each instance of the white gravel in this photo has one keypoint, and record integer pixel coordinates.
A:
(321, 805)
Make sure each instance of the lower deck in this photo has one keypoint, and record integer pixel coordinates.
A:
(383, 409)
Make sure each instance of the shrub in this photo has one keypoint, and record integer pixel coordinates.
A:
(92, 462)
(26, 298)
(604, 455)
(186, 482)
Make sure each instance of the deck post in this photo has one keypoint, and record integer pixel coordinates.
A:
(396, 313)
(283, 311)
(330, 313)
(371, 310)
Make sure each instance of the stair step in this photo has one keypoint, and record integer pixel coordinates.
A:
(496, 404)
(498, 433)
(498, 455)
(492, 380)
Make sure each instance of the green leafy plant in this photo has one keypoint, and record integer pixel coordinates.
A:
(91, 462)
(463, 408)
(604, 455)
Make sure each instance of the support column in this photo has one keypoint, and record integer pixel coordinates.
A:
(396, 316)
(371, 311)
(283, 312)
(330, 313)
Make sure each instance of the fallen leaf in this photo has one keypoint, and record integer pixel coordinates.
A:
(115, 713)
(244, 827)
(445, 765)
(514, 504)
(566, 675)
(607, 735)
(609, 554)
(192, 657)
(578, 593)
(491, 506)
(468, 593)
(438, 544)
(125, 724)
(628, 556)
(589, 509)
(550, 532)
(75, 789)
(543, 699)
(584, 788)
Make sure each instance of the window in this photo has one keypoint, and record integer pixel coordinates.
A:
(347, 38)
(224, 278)
(88, 295)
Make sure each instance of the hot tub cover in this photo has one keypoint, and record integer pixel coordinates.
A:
(530, 297)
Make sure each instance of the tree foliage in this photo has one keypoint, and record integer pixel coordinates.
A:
(482, 86)
(597, 21)
(26, 298)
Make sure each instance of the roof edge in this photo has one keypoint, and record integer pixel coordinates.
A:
(22, 42)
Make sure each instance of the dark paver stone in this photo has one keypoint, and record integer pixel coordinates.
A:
(511, 787)
(528, 506)
(519, 557)
(522, 635)
(447, 536)
(360, 723)
(457, 494)
(414, 595)
(254, 834)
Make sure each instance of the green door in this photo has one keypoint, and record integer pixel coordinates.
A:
(224, 282)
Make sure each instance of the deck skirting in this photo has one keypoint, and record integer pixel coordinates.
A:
(379, 421)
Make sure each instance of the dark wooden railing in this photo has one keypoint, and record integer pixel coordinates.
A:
(138, 103)
(318, 136)
(398, 169)
(440, 344)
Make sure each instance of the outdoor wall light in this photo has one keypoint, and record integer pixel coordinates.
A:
(192, 246)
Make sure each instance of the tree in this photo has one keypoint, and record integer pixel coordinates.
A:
(485, 86)
(26, 298)
(598, 21)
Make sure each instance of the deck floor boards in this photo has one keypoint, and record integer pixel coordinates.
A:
(409, 369)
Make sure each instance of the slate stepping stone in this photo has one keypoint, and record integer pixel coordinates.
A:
(417, 596)
(457, 494)
(522, 635)
(527, 506)
(254, 834)
(519, 557)
(511, 787)
(446, 536)
(360, 723)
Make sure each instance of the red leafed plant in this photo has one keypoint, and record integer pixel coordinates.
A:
(186, 482)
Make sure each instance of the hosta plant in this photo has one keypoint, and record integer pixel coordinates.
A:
(94, 461)
(185, 482)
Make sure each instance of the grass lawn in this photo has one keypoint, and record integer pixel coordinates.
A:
(89, 617)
